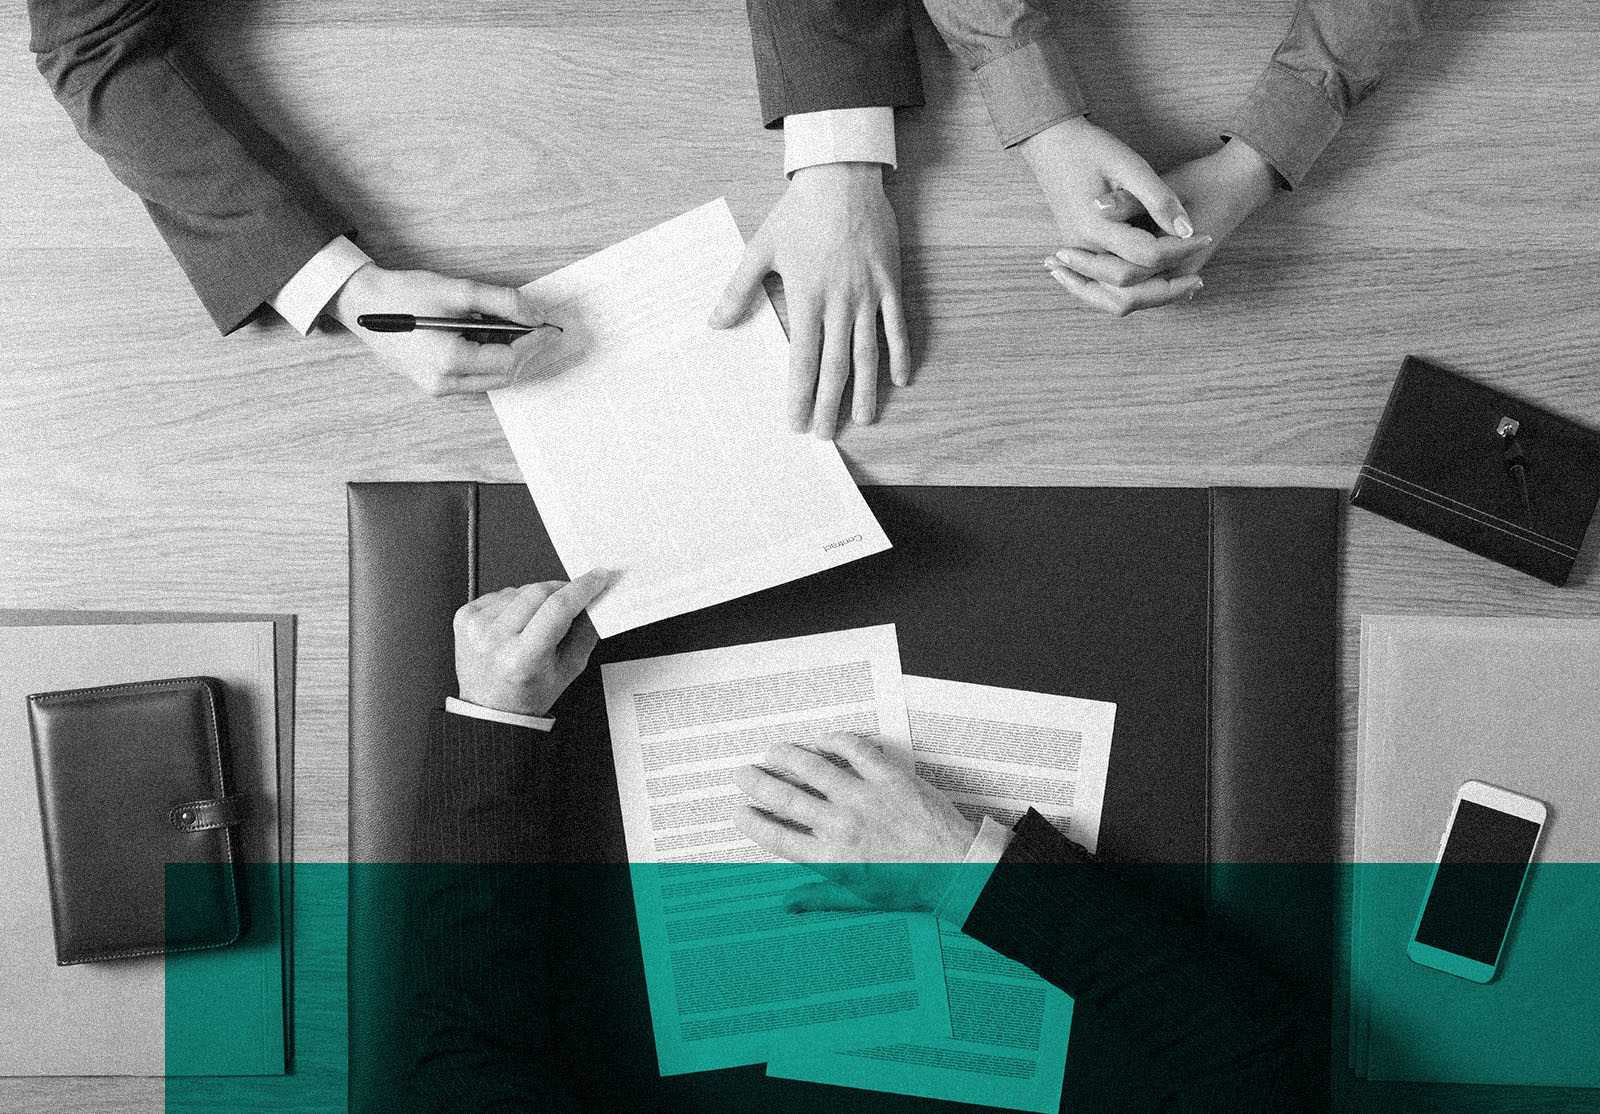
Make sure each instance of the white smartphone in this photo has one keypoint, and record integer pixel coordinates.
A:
(1477, 881)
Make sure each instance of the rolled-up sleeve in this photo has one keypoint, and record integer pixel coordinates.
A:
(1336, 54)
(1020, 66)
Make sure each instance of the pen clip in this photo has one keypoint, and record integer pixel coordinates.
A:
(1516, 459)
(490, 321)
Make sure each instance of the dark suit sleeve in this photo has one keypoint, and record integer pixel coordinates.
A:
(221, 191)
(815, 55)
(478, 1027)
(1227, 1035)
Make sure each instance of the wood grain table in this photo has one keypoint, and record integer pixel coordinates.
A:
(146, 463)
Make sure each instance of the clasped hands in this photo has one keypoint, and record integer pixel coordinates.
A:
(1096, 185)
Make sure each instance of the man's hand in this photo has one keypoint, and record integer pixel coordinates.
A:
(882, 836)
(519, 648)
(1110, 265)
(441, 363)
(834, 239)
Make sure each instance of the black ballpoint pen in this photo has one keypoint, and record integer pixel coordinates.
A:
(406, 322)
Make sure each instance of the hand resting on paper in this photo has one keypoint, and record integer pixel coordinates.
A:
(442, 363)
(518, 649)
(834, 239)
(881, 836)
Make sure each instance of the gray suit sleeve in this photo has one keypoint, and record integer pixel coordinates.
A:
(222, 192)
(815, 55)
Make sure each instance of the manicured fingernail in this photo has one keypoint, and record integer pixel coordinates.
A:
(1103, 203)
(1183, 227)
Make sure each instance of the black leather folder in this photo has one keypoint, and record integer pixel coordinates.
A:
(1440, 463)
(1207, 616)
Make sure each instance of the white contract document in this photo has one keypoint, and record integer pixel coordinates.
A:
(731, 976)
(995, 752)
(655, 447)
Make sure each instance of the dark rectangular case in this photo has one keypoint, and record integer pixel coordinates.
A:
(1438, 465)
(132, 778)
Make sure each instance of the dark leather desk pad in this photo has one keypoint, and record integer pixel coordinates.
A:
(1207, 616)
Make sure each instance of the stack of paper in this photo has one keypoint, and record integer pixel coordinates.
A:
(1515, 703)
(655, 446)
(882, 1001)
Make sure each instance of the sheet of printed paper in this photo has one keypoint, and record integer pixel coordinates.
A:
(655, 446)
(730, 974)
(996, 752)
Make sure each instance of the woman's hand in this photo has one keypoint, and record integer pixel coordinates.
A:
(1219, 190)
(1110, 265)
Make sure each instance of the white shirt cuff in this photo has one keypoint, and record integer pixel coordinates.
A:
(313, 286)
(478, 711)
(988, 848)
(838, 135)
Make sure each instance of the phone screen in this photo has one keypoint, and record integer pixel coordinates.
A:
(1475, 889)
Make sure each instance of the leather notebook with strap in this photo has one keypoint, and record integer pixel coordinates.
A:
(1481, 469)
(133, 778)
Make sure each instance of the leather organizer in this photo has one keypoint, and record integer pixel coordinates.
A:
(137, 817)
(1208, 616)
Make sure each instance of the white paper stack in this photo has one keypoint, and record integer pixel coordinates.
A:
(708, 900)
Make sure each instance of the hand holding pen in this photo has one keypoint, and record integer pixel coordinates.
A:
(495, 335)
(480, 329)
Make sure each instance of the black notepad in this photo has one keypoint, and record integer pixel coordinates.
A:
(133, 778)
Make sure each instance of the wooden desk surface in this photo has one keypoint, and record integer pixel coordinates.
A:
(147, 463)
